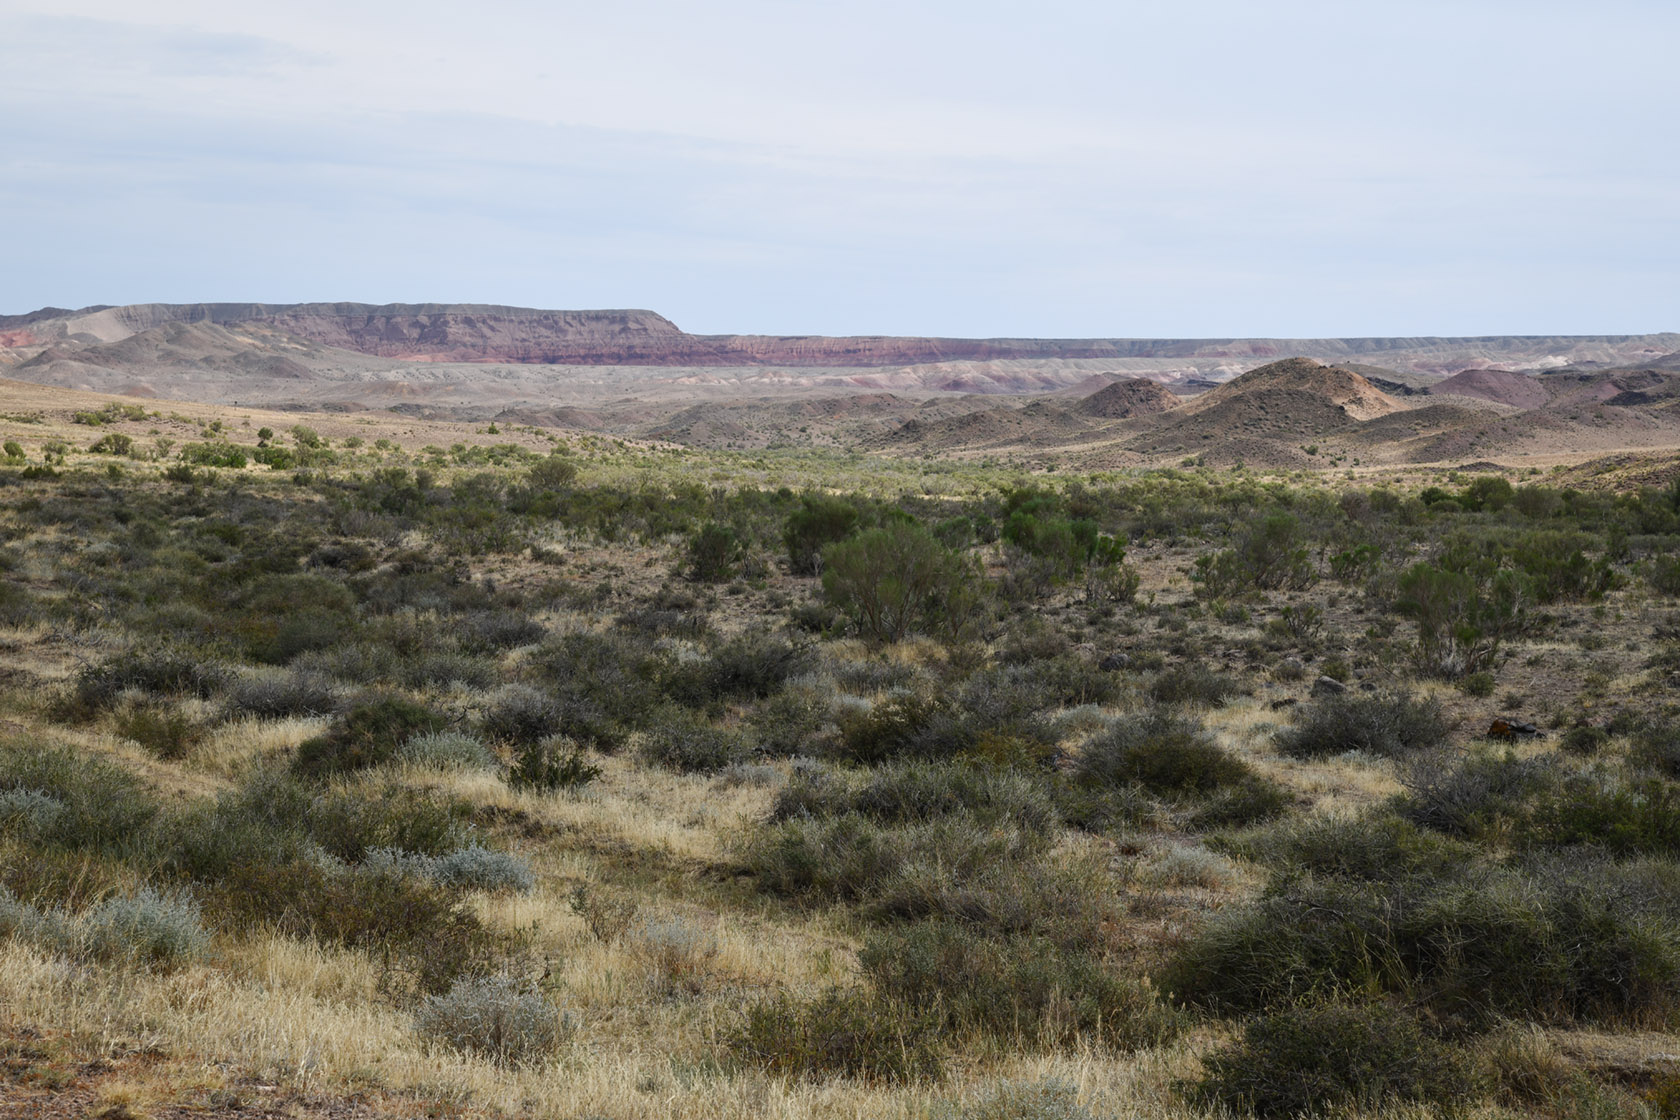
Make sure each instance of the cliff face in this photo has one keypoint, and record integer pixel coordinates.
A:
(487, 334)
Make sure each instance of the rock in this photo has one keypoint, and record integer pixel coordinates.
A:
(1114, 662)
(1293, 666)
(1286, 702)
(1509, 729)
(1328, 686)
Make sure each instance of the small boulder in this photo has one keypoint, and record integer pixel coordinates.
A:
(1328, 686)
(1286, 702)
(1114, 662)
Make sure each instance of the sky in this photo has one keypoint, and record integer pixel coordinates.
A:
(1206, 168)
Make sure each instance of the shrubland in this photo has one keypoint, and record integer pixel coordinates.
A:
(573, 779)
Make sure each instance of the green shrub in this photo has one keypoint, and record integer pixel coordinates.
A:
(606, 916)
(51, 930)
(419, 929)
(1160, 751)
(714, 553)
(1462, 616)
(1193, 684)
(898, 579)
(1656, 746)
(1462, 797)
(851, 857)
(839, 1033)
(13, 449)
(447, 668)
(552, 764)
(163, 731)
(278, 694)
(1479, 685)
(348, 825)
(1471, 947)
(1389, 725)
(101, 807)
(795, 721)
(901, 725)
(218, 453)
(474, 868)
(370, 733)
(688, 744)
(1663, 574)
(494, 1016)
(1268, 554)
(818, 522)
(1374, 847)
(752, 666)
(1333, 1059)
(146, 927)
(165, 673)
(907, 792)
(1018, 991)
(601, 683)
(554, 472)
(493, 631)
(1584, 740)
(283, 615)
(520, 716)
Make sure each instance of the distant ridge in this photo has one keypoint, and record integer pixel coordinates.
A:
(468, 332)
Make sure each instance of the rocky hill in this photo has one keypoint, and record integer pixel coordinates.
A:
(1122, 400)
(1500, 386)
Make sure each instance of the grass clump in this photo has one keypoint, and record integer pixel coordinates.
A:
(691, 745)
(164, 731)
(446, 750)
(519, 715)
(1193, 685)
(1165, 754)
(143, 927)
(1049, 1099)
(846, 1033)
(146, 927)
(1014, 991)
(100, 807)
(277, 694)
(158, 673)
(676, 953)
(496, 1017)
(473, 868)
(1482, 944)
(606, 916)
(1330, 1060)
(1161, 751)
(1391, 725)
(552, 765)
(369, 734)
(907, 792)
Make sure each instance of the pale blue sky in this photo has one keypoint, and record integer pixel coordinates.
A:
(915, 167)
